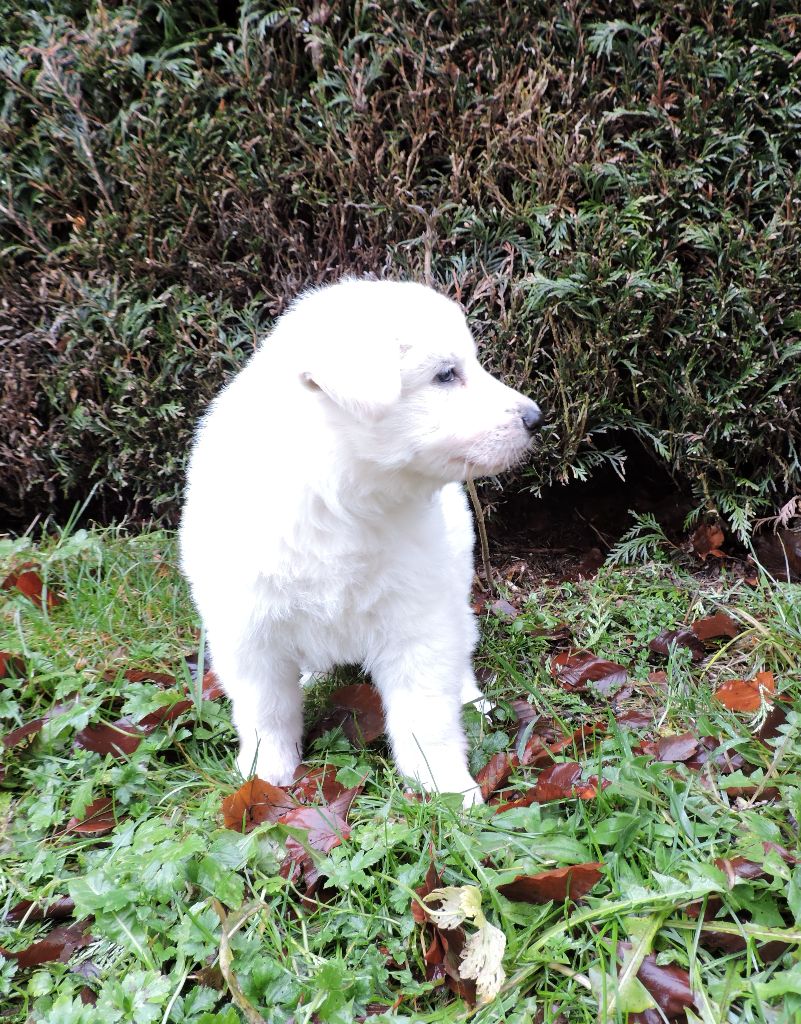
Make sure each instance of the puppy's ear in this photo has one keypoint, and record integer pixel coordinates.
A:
(360, 376)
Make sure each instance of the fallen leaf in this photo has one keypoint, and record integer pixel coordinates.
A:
(98, 818)
(57, 909)
(590, 789)
(27, 581)
(357, 710)
(17, 736)
(738, 869)
(670, 988)
(255, 802)
(682, 637)
(635, 718)
(574, 669)
(11, 666)
(118, 738)
(556, 782)
(715, 626)
(495, 772)
(558, 884)
(315, 785)
(672, 748)
(324, 829)
(706, 540)
(59, 944)
(746, 694)
(503, 609)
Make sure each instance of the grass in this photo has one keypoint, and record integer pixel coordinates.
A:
(155, 884)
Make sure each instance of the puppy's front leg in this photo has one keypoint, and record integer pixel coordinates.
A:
(423, 709)
(267, 707)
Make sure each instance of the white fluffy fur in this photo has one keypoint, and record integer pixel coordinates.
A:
(324, 522)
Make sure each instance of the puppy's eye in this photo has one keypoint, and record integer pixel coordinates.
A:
(446, 376)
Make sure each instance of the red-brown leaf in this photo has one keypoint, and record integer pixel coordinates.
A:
(715, 626)
(17, 736)
(682, 637)
(27, 581)
(556, 782)
(59, 944)
(117, 738)
(558, 884)
(357, 709)
(669, 986)
(706, 540)
(574, 669)
(673, 748)
(255, 802)
(59, 908)
(313, 785)
(11, 665)
(495, 772)
(325, 828)
(635, 718)
(98, 818)
(746, 694)
(738, 869)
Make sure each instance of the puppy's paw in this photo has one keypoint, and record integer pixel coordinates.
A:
(270, 765)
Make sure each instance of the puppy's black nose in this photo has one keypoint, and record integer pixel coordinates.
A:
(532, 417)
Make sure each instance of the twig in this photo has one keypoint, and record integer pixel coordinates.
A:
(482, 534)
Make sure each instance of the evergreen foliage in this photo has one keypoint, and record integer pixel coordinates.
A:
(614, 200)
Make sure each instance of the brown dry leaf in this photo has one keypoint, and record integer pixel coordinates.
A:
(59, 944)
(672, 748)
(255, 802)
(315, 785)
(682, 637)
(59, 908)
(669, 986)
(558, 884)
(17, 736)
(11, 666)
(118, 738)
(556, 782)
(715, 626)
(98, 818)
(706, 540)
(358, 710)
(27, 581)
(503, 609)
(574, 669)
(433, 880)
(746, 694)
(496, 772)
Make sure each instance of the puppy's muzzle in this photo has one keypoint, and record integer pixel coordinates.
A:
(531, 415)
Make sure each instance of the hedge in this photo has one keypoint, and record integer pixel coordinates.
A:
(614, 199)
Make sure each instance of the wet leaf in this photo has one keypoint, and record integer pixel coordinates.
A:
(118, 738)
(11, 666)
(324, 828)
(715, 626)
(635, 718)
(574, 669)
(682, 637)
(316, 785)
(503, 609)
(255, 802)
(746, 694)
(17, 736)
(98, 818)
(673, 748)
(738, 869)
(558, 884)
(780, 554)
(27, 581)
(59, 944)
(556, 782)
(57, 909)
(358, 710)
(669, 986)
(496, 772)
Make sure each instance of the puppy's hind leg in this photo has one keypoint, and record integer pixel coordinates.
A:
(267, 706)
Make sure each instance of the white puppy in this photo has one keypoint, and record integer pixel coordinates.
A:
(324, 523)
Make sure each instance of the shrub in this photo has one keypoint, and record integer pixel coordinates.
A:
(615, 202)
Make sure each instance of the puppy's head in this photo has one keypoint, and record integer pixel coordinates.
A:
(396, 366)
